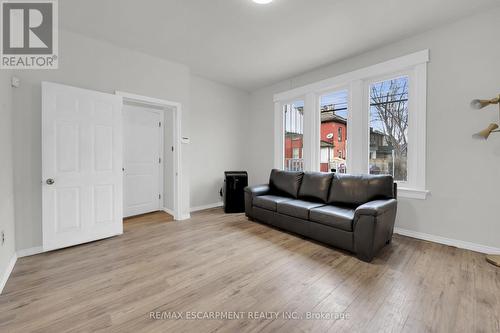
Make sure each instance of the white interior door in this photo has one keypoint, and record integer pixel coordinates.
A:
(142, 160)
(82, 155)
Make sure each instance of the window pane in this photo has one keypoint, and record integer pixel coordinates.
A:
(333, 140)
(389, 128)
(294, 134)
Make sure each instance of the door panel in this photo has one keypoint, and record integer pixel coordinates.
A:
(103, 148)
(103, 203)
(67, 147)
(81, 165)
(67, 209)
(142, 152)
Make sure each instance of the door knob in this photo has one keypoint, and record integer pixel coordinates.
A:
(50, 181)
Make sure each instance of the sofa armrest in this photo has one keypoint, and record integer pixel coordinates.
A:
(377, 207)
(257, 190)
(250, 193)
(373, 227)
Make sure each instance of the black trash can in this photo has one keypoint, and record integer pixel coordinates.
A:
(232, 192)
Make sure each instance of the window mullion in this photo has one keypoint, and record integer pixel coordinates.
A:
(311, 134)
(357, 138)
(279, 135)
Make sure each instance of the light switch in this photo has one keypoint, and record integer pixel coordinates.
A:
(15, 82)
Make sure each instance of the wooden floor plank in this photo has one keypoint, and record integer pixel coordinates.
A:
(219, 262)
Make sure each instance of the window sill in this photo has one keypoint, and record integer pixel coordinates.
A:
(411, 193)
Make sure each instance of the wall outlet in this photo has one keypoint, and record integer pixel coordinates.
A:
(2, 238)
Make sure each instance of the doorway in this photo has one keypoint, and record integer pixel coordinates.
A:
(142, 159)
(152, 155)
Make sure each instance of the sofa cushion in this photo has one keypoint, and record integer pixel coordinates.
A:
(315, 186)
(297, 208)
(269, 202)
(356, 190)
(337, 217)
(286, 182)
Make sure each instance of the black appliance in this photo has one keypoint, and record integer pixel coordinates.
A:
(232, 192)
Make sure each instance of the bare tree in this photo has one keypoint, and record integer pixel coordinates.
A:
(391, 109)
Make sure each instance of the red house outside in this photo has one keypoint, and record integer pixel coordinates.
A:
(333, 142)
(333, 138)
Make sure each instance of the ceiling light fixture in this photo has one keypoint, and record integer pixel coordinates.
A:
(262, 2)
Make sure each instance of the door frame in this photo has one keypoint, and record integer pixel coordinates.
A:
(176, 108)
(161, 148)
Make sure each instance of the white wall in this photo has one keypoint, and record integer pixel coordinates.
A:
(463, 175)
(6, 175)
(97, 65)
(218, 137)
(91, 64)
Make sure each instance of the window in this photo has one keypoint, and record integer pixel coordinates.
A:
(371, 120)
(294, 135)
(389, 128)
(333, 116)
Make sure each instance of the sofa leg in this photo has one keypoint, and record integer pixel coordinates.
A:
(367, 259)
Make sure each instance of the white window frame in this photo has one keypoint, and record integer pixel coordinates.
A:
(358, 139)
(279, 139)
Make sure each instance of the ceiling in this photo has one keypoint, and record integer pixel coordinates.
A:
(246, 45)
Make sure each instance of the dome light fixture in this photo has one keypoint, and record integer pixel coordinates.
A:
(262, 2)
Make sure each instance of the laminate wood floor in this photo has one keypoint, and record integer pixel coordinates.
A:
(216, 264)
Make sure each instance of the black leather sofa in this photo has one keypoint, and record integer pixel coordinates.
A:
(352, 212)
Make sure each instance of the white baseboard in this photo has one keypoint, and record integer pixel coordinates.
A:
(198, 208)
(168, 211)
(448, 241)
(29, 252)
(8, 271)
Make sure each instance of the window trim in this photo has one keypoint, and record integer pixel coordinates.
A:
(415, 66)
(279, 134)
(410, 181)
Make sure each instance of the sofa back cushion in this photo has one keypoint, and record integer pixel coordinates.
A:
(359, 189)
(285, 182)
(315, 186)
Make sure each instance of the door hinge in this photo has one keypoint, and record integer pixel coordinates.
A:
(172, 148)
(159, 196)
(159, 124)
(159, 159)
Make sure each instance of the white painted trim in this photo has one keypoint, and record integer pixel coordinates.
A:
(310, 131)
(279, 137)
(177, 169)
(393, 65)
(8, 271)
(448, 241)
(146, 100)
(204, 207)
(410, 193)
(168, 211)
(29, 252)
(414, 66)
